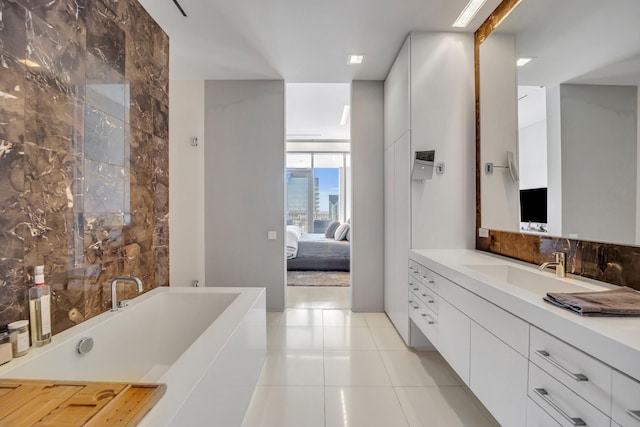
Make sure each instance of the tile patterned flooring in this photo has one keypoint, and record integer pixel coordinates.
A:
(329, 367)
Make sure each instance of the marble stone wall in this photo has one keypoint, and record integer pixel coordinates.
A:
(607, 262)
(83, 153)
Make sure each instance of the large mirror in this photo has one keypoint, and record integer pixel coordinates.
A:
(559, 89)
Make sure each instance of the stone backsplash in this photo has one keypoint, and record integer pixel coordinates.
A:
(83, 153)
(607, 262)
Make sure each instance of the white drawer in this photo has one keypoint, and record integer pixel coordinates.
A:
(564, 406)
(414, 267)
(588, 377)
(414, 284)
(424, 319)
(430, 279)
(428, 297)
(536, 417)
(510, 329)
(625, 400)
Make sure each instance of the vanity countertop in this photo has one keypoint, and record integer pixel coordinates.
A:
(614, 340)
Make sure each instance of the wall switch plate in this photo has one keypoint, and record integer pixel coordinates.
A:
(483, 232)
(440, 168)
(272, 235)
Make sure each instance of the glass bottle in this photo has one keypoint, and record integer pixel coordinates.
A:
(40, 309)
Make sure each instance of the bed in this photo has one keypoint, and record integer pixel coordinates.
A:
(315, 252)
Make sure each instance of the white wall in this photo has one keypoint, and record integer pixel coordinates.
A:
(532, 146)
(443, 118)
(599, 152)
(244, 185)
(499, 133)
(554, 163)
(186, 182)
(367, 149)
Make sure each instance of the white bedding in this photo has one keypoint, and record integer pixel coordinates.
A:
(293, 235)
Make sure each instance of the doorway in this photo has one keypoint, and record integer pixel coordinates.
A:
(318, 196)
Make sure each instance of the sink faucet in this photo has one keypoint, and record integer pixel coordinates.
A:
(114, 304)
(559, 264)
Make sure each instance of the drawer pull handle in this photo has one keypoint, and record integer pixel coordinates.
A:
(416, 306)
(428, 318)
(428, 279)
(634, 414)
(416, 289)
(545, 396)
(576, 377)
(430, 300)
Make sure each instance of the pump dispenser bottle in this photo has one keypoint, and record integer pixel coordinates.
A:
(40, 309)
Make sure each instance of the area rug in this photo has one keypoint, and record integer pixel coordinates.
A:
(318, 278)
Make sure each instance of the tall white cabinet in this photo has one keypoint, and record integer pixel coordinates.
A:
(428, 105)
(397, 211)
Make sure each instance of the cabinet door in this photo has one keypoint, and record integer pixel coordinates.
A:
(396, 97)
(498, 377)
(402, 184)
(626, 400)
(454, 338)
(389, 234)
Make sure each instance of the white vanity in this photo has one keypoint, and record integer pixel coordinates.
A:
(530, 363)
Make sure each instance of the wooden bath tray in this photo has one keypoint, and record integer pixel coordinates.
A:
(75, 403)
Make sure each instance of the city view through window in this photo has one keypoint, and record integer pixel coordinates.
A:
(316, 185)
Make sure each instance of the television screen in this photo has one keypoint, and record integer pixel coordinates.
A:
(533, 205)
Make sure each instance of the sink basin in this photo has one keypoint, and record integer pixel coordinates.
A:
(537, 282)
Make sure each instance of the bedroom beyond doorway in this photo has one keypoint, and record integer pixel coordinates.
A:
(318, 194)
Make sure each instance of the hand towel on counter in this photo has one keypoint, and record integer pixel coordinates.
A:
(616, 302)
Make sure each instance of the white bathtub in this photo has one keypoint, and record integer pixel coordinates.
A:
(207, 344)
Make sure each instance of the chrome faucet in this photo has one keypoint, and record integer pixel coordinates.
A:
(123, 303)
(559, 264)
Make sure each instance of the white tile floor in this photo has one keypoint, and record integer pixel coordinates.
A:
(332, 368)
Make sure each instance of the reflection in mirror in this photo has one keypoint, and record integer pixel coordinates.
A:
(571, 114)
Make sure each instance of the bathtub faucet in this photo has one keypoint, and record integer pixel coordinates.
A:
(114, 302)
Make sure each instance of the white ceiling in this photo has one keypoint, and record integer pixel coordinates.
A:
(296, 40)
(577, 41)
(314, 111)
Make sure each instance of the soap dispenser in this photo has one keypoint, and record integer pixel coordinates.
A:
(40, 309)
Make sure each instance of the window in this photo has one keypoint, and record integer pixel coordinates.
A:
(317, 192)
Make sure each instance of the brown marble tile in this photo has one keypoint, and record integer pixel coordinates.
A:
(83, 153)
(13, 292)
(58, 56)
(103, 187)
(616, 264)
(11, 99)
(141, 110)
(13, 33)
(53, 118)
(104, 138)
(160, 119)
(106, 40)
(53, 180)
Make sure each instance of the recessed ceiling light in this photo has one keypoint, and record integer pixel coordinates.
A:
(468, 13)
(29, 63)
(521, 62)
(345, 115)
(355, 59)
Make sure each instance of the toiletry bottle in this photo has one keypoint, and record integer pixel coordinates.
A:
(40, 309)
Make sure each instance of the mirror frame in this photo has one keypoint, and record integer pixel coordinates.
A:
(607, 262)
